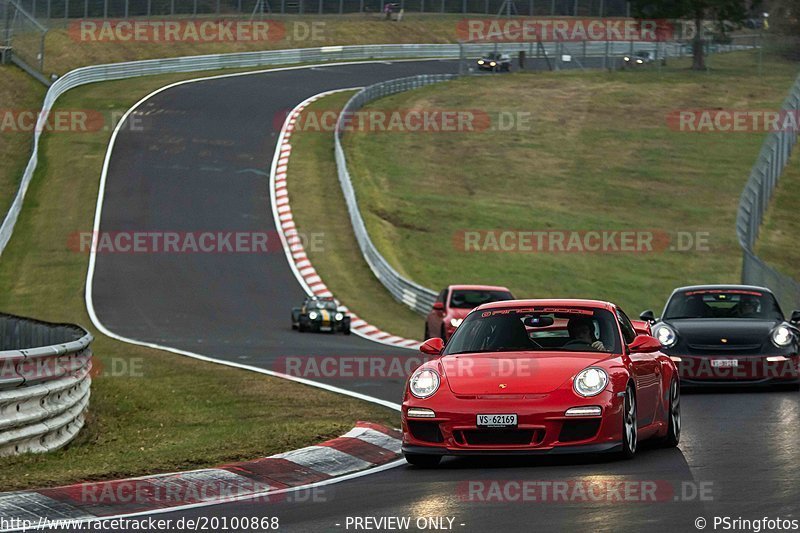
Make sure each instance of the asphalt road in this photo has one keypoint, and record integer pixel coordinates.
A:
(200, 163)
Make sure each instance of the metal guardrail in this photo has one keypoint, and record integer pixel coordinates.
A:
(415, 296)
(753, 204)
(118, 71)
(45, 379)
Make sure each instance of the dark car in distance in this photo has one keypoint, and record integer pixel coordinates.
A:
(728, 335)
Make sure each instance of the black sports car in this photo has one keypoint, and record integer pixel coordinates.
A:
(320, 314)
(495, 62)
(728, 335)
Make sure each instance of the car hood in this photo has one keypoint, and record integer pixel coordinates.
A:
(519, 372)
(735, 331)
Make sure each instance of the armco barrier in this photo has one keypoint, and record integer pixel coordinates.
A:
(119, 71)
(755, 200)
(415, 296)
(44, 384)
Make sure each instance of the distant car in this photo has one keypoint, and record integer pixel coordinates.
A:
(639, 58)
(728, 335)
(320, 314)
(495, 61)
(541, 377)
(455, 302)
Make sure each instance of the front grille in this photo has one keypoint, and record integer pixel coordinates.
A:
(499, 437)
(425, 431)
(575, 430)
(703, 349)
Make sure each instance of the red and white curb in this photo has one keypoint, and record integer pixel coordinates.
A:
(365, 447)
(292, 243)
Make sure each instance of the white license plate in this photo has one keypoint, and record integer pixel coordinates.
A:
(724, 363)
(497, 421)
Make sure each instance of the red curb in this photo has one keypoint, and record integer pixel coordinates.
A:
(362, 450)
(278, 471)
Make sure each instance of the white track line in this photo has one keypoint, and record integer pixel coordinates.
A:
(105, 331)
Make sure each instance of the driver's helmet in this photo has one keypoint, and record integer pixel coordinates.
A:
(576, 325)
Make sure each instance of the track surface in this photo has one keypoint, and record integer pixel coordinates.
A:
(201, 163)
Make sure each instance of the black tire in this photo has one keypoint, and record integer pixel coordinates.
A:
(674, 431)
(294, 326)
(346, 330)
(630, 431)
(443, 334)
(422, 460)
(301, 327)
(427, 334)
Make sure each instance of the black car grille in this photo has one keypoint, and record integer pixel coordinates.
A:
(711, 349)
(425, 431)
(575, 430)
(499, 437)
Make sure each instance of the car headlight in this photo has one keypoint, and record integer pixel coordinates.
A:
(626, 58)
(781, 336)
(313, 315)
(591, 382)
(424, 383)
(665, 335)
(455, 322)
(480, 61)
(639, 61)
(338, 316)
(492, 64)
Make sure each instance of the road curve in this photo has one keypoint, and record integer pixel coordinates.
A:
(199, 163)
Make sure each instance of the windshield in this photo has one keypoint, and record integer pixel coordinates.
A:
(536, 329)
(470, 298)
(714, 303)
(327, 305)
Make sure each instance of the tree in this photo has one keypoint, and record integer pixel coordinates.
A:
(700, 11)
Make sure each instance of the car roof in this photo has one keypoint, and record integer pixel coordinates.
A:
(564, 302)
(478, 287)
(722, 287)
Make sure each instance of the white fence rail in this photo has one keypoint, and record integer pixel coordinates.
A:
(755, 199)
(45, 377)
(415, 296)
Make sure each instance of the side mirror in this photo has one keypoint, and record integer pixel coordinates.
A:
(795, 317)
(434, 346)
(644, 344)
(648, 316)
(438, 306)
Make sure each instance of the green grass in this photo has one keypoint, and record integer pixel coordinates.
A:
(63, 52)
(166, 412)
(313, 189)
(777, 243)
(598, 157)
(18, 92)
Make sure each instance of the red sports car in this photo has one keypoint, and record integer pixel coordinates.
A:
(541, 376)
(455, 302)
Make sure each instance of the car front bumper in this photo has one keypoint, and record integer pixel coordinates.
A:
(542, 426)
(755, 370)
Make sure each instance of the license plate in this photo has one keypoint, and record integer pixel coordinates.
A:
(497, 421)
(724, 363)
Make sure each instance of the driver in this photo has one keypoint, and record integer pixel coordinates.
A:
(747, 308)
(581, 331)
